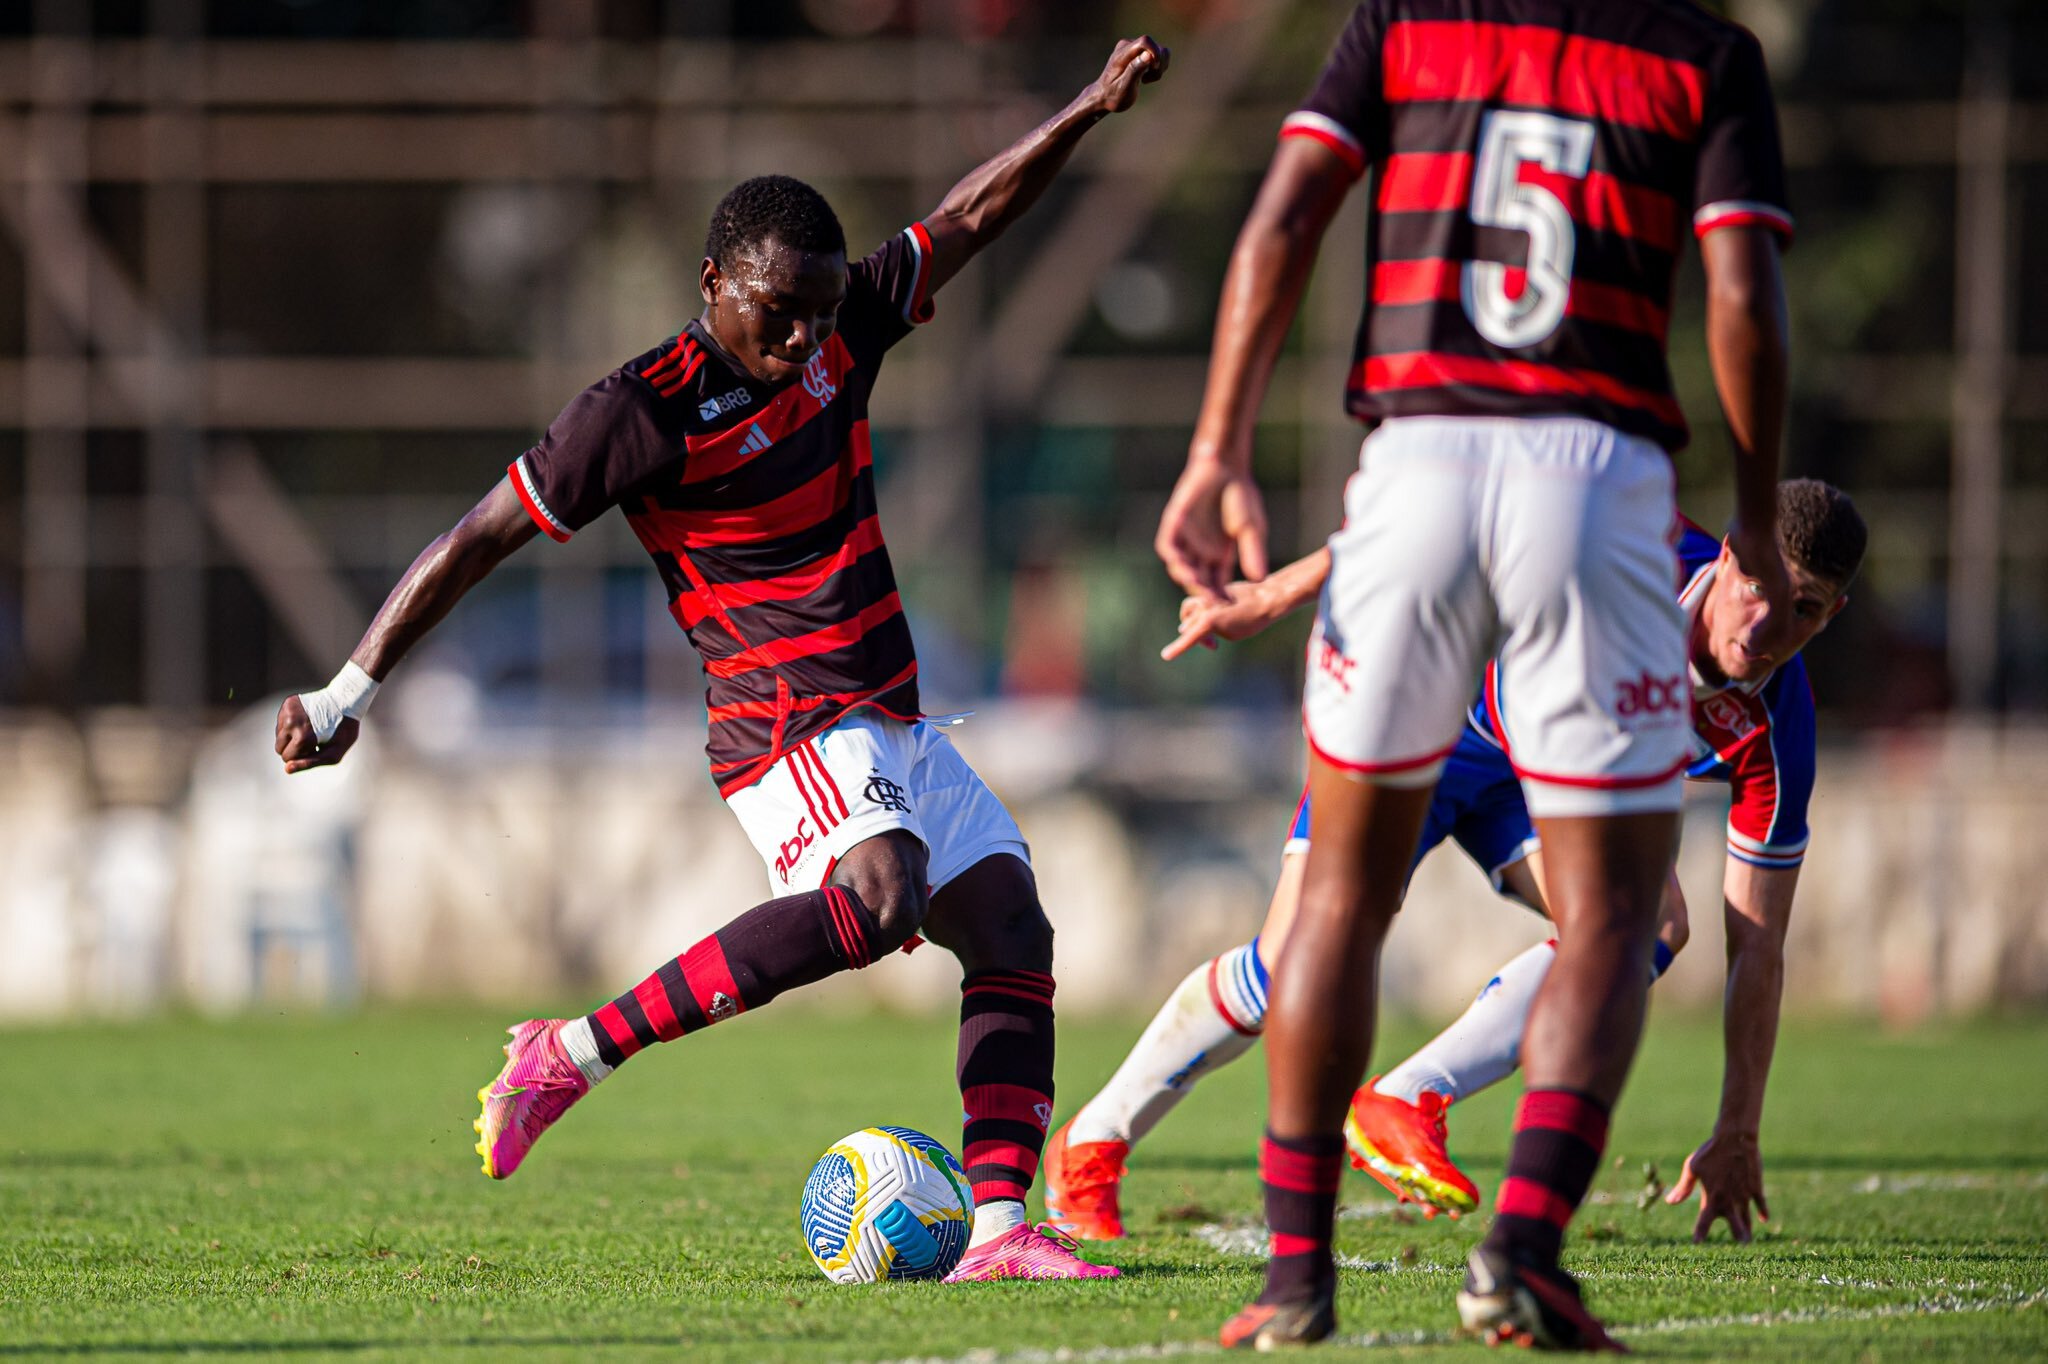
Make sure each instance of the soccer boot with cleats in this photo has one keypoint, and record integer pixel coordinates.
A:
(1402, 1146)
(1028, 1252)
(1082, 1183)
(1506, 1301)
(537, 1086)
(1276, 1326)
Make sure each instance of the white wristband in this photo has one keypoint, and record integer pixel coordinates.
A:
(347, 697)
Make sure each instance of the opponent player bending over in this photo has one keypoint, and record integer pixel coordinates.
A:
(738, 453)
(1753, 728)
(1535, 166)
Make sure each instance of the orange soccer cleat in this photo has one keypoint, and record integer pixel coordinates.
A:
(1402, 1146)
(1082, 1181)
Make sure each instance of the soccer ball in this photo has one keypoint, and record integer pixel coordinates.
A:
(886, 1203)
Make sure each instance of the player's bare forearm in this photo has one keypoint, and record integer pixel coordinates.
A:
(444, 571)
(1249, 607)
(1295, 586)
(998, 192)
(1748, 349)
(1269, 269)
(1758, 909)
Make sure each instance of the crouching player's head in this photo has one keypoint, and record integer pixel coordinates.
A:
(1822, 538)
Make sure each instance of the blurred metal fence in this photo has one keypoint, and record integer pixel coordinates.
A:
(276, 311)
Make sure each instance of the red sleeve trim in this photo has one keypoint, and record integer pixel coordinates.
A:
(1329, 132)
(530, 498)
(1742, 213)
(918, 309)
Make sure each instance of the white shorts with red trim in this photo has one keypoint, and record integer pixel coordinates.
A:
(1546, 539)
(868, 775)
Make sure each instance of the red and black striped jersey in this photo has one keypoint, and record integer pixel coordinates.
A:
(1535, 164)
(757, 504)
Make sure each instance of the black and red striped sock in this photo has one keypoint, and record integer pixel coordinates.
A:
(1301, 1176)
(771, 948)
(1559, 1135)
(1006, 1045)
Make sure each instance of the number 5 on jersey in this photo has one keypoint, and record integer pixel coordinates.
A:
(1508, 140)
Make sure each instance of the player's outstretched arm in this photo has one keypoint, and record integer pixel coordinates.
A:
(996, 193)
(1251, 606)
(1728, 1168)
(1747, 346)
(1215, 521)
(316, 729)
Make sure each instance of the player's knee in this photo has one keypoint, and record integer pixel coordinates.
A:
(898, 918)
(888, 874)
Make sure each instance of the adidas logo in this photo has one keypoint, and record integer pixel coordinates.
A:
(1043, 1113)
(723, 1006)
(755, 442)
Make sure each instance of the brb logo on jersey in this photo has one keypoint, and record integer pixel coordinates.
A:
(817, 382)
(724, 403)
(1645, 698)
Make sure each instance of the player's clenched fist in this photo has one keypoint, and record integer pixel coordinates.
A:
(1135, 62)
(300, 748)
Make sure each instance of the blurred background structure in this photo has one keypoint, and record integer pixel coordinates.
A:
(285, 284)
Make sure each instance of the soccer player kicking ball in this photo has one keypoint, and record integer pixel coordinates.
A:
(1535, 167)
(738, 452)
(1752, 714)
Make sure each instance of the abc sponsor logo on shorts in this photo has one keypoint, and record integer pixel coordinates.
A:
(1645, 699)
(1331, 663)
(792, 851)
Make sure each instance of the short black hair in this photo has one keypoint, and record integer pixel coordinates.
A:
(772, 206)
(1820, 530)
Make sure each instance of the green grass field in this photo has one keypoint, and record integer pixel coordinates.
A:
(303, 1187)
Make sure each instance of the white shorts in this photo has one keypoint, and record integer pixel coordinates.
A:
(864, 776)
(1546, 540)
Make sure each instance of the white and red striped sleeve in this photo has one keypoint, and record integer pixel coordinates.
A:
(1346, 108)
(1740, 176)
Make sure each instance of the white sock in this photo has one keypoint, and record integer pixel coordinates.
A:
(997, 1217)
(1485, 1044)
(581, 1044)
(1194, 1032)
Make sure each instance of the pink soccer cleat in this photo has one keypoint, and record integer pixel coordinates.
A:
(1028, 1252)
(537, 1086)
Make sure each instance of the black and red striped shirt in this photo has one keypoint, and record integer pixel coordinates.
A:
(1535, 166)
(758, 506)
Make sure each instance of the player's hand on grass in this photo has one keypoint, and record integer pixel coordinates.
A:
(1729, 1172)
(1214, 523)
(1249, 610)
(296, 741)
(1135, 62)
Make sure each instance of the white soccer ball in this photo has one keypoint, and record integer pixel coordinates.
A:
(886, 1203)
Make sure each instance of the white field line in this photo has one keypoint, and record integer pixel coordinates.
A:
(1898, 1184)
(1943, 1304)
